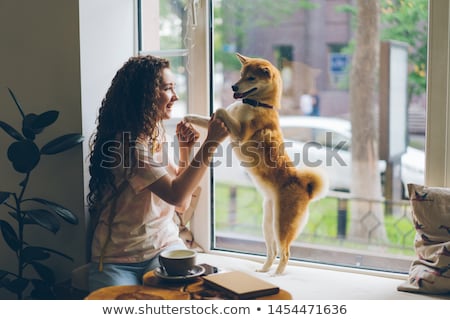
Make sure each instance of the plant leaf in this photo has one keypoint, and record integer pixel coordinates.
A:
(11, 131)
(4, 196)
(44, 218)
(61, 211)
(17, 286)
(30, 254)
(44, 120)
(59, 253)
(27, 125)
(16, 102)
(43, 290)
(3, 273)
(62, 143)
(9, 235)
(17, 217)
(24, 155)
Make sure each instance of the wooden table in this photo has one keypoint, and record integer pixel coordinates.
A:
(155, 288)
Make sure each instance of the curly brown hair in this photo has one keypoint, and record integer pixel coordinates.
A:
(129, 107)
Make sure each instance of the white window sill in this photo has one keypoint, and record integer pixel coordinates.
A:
(307, 281)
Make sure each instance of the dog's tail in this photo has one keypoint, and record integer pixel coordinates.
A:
(315, 181)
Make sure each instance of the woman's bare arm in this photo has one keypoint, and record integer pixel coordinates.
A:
(176, 190)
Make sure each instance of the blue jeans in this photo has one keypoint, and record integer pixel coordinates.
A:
(115, 274)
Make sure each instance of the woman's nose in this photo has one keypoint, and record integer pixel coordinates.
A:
(174, 96)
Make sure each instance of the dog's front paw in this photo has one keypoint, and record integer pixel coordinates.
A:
(221, 113)
(201, 121)
(188, 118)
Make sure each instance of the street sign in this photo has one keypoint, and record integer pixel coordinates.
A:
(338, 63)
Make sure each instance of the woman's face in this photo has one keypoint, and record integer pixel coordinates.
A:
(167, 94)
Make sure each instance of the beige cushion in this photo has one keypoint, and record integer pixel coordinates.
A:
(430, 271)
(182, 220)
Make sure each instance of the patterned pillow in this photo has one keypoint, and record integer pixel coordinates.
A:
(430, 271)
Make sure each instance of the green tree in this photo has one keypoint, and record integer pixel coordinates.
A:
(406, 21)
(170, 12)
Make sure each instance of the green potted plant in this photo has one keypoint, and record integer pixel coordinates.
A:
(25, 155)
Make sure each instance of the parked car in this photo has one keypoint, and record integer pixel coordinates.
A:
(334, 137)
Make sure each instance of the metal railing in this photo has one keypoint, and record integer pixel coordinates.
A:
(386, 224)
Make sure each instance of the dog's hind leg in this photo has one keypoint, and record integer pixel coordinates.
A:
(268, 230)
(284, 256)
(292, 217)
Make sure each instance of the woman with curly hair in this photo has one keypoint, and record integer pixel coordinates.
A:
(134, 190)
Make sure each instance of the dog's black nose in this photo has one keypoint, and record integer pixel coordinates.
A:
(234, 87)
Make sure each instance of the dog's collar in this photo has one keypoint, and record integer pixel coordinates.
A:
(256, 103)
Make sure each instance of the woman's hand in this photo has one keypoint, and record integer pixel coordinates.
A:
(217, 130)
(177, 190)
(186, 134)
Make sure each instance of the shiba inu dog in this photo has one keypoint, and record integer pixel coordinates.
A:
(258, 143)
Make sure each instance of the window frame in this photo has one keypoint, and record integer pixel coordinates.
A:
(437, 151)
(198, 79)
(437, 169)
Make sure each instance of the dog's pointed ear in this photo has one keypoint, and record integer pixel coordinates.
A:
(242, 59)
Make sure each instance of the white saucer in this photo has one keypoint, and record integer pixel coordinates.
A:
(195, 272)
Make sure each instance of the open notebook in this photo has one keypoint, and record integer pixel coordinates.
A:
(240, 285)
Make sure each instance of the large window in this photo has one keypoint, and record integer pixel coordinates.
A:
(312, 43)
(164, 32)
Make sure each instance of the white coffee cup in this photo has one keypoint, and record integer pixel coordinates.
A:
(178, 262)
